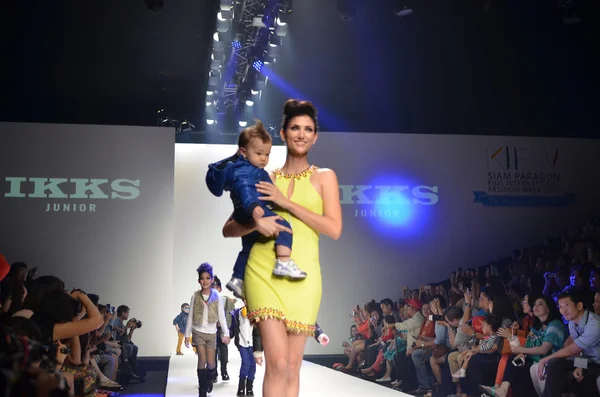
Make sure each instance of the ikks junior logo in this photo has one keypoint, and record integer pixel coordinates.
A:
(386, 201)
(70, 194)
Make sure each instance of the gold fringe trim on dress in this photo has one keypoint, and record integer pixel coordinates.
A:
(299, 175)
(267, 313)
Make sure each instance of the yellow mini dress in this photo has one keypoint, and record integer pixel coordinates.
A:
(296, 303)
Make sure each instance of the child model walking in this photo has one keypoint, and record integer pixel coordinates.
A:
(206, 308)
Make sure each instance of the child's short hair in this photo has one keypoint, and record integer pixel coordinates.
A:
(184, 305)
(493, 321)
(257, 130)
(205, 268)
(389, 319)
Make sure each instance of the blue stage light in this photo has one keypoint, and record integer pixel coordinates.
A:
(237, 44)
(258, 65)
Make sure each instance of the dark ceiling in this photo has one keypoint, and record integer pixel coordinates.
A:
(449, 68)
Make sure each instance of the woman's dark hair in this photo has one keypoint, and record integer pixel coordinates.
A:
(502, 305)
(353, 326)
(26, 328)
(58, 307)
(15, 291)
(294, 108)
(553, 313)
(205, 268)
(41, 286)
(371, 306)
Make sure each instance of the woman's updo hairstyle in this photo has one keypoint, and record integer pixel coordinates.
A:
(293, 108)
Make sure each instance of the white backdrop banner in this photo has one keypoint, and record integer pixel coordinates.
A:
(93, 205)
(415, 207)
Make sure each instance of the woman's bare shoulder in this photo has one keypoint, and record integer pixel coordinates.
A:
(326, 174)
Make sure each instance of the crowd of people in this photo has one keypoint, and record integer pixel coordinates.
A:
(58, 342)
(523, 326)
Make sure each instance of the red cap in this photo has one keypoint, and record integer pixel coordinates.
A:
(4, 267)
(417, 304)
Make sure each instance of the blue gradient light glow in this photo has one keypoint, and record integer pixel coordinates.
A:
(398, 206)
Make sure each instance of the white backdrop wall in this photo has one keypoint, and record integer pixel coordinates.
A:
(415, 207)
(114, 239)
(410, 212)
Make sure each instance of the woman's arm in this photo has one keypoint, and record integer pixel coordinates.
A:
(76, 328)
(266, 226)
(542, 350)
(75, 346)
(234, 229)
(330, 223)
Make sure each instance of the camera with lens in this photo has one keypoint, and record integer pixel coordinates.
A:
(138, 323)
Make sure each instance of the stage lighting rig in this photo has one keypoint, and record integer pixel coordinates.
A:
(348, 9)
(256, 30)
(403, 8)
(154, 5)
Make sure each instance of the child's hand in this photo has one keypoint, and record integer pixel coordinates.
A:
(258, 212)
(324, 339)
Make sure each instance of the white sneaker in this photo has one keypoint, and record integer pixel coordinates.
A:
(289, 270)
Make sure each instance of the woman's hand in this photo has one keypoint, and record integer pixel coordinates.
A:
(225, 340)
(469, 297)
(270, 192)
(269, 227)
(504, 333)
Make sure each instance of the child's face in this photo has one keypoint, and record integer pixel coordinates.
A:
(257, 152)
(485, 327)
(205, 280)
(186, 309)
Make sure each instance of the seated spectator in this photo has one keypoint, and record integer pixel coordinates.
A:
(491, 325)
(546, 337)
(388, 308)
(438, 349)
(583, 345)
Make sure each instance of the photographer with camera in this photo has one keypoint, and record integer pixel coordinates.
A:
(124, 332)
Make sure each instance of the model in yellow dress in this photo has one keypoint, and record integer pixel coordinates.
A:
(296, 303)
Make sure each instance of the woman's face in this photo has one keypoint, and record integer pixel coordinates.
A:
(575, 279)
(597, 303)
(426, 310)
(540, 308)
(354, 332)
(375, 315)
(484, 302)
(525, 303)
(300, 135)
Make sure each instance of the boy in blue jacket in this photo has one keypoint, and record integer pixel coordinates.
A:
(239, 175)
(180, 322)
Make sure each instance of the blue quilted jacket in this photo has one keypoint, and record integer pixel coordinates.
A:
(236, 175)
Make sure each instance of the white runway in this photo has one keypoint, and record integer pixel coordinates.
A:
(315, 381)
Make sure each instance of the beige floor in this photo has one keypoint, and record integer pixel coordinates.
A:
(315, 381)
